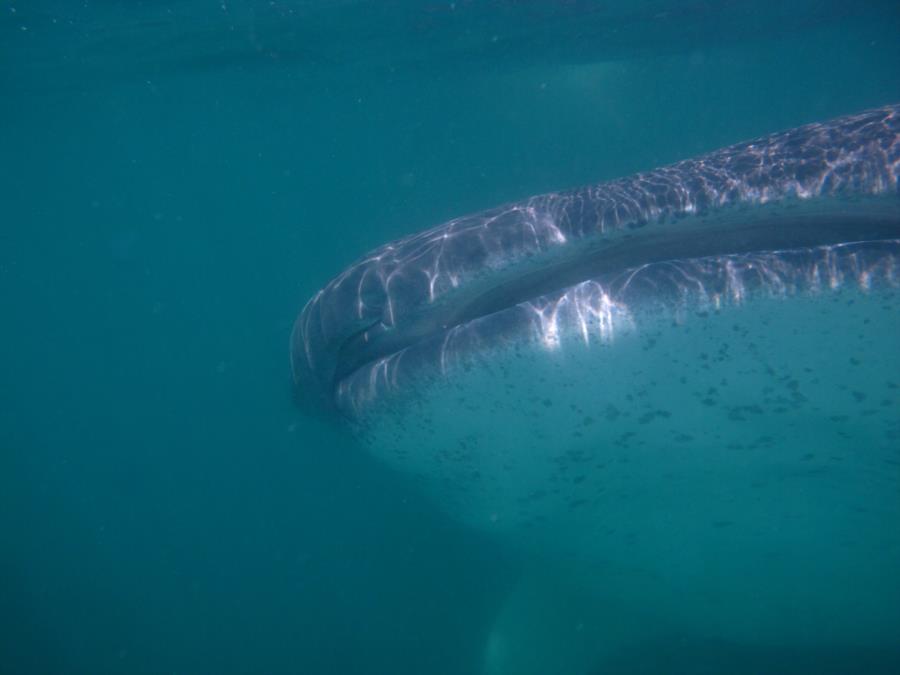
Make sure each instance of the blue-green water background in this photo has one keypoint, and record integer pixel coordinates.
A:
(176, 178)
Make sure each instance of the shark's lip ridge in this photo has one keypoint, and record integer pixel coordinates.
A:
(808, 189)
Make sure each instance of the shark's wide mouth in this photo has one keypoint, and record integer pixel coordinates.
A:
(778, 232)
(814, 187)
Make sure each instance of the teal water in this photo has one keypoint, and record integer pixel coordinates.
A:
(176, 178)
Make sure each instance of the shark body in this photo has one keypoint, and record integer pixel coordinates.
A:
(687, 380)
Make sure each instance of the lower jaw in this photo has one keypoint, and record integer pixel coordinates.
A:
(598, 309)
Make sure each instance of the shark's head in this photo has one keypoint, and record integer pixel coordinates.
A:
(692, 373)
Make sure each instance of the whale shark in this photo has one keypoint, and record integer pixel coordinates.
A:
(682, 386)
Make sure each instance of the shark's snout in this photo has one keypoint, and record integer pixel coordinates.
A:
(818, 186)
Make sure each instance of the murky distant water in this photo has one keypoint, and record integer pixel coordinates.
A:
(176, 178)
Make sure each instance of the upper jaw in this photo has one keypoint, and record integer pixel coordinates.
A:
(792, 229)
